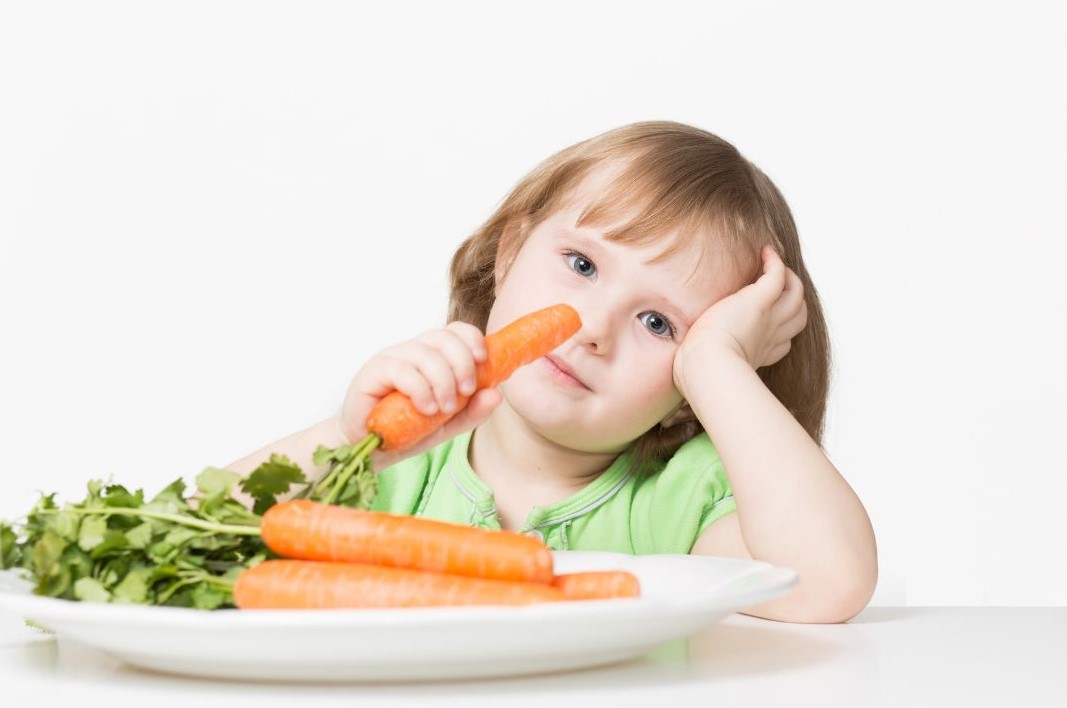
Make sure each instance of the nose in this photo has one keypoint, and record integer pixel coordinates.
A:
(595, 333)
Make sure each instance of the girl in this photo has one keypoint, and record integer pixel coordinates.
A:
(686, 414)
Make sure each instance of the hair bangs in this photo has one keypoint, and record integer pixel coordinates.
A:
(639, 208)
(649, 202)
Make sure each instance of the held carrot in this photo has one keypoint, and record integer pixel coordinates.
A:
(394, 423)
(309, 530)
(299, 584)
(597, 584)
(398, 424)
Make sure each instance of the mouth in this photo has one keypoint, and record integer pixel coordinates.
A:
(562, 373)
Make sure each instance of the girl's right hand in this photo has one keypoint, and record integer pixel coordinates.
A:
(433, 370)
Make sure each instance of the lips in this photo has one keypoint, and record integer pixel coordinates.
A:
(566, 369)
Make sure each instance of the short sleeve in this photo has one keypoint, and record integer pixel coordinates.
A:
(676, 504)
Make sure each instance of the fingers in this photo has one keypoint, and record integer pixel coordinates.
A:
(796, 324)
(411, 372)
(789, 311)
(791, 300)
(437, 368)
(772, 282)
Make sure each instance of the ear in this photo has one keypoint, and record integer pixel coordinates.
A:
(682, 414)
(507, 248)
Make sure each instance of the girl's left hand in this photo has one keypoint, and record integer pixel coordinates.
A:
(756, 323)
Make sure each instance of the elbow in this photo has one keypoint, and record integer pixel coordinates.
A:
(849, 590)
(844, 600)
(845, 606)
(834, 599)
(833, 591)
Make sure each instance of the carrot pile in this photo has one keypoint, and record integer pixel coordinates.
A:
(337, 557)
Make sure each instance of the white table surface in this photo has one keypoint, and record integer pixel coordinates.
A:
(887, 656)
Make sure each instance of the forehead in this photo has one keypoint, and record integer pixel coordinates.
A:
(690, 254)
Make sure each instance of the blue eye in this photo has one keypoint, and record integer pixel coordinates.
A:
(657, 324)
(580, 264)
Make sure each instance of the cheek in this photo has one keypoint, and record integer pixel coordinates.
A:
(507, 306)
(518, 294)
(648, 383)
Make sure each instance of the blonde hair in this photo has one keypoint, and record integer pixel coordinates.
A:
(679, 179)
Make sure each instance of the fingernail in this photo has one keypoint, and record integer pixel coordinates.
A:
(449, 406)
(467, 388)
(429, 408)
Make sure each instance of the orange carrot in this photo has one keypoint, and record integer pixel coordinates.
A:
(597, 584)
(397, 422)
(310, 530)
(293, 584)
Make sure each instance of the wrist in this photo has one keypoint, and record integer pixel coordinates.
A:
(698, 370)
(338, 432)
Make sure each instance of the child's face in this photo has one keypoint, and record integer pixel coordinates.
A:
(622, 359)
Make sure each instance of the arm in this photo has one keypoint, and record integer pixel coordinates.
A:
(298, 447)
(793, 506)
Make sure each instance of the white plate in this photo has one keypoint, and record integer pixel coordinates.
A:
(681, 595)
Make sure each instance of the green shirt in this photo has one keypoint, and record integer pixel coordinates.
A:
(661, 510)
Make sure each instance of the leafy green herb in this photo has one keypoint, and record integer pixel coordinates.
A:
(178, 549)
(349, 481)
(270, 479)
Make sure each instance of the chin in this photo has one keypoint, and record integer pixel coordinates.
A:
(565, 425)
(550, 421)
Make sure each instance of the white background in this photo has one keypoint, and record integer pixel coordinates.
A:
(212, 213)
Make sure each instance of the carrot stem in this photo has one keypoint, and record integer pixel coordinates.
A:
(216, 580)
(352, 460)
(191, 578)
(235, 529)
(356, 464)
